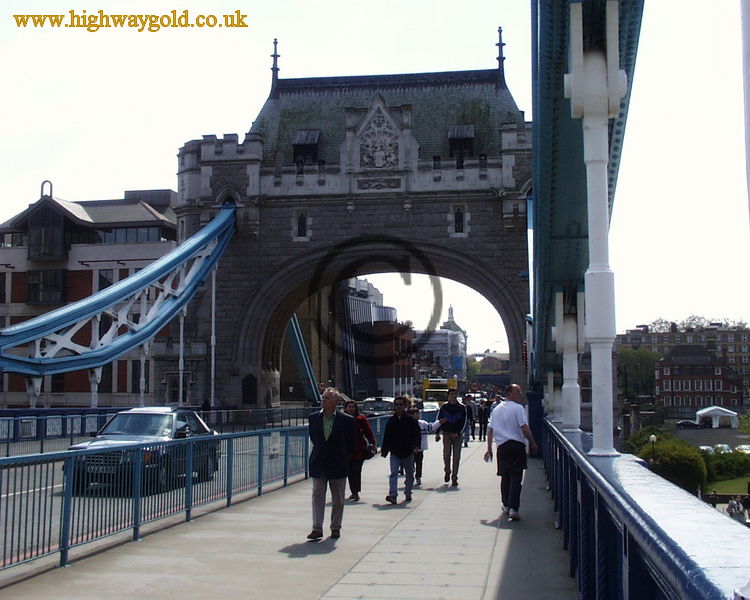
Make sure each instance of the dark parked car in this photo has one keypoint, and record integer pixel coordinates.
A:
(162, 464)
(688, 425)
(377, 406)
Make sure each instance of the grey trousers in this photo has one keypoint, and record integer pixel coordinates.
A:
(452, 453)
(338, 489)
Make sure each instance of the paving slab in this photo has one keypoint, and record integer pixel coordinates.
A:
(447, 543)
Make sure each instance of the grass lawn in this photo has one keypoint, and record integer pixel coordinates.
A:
(729, 486)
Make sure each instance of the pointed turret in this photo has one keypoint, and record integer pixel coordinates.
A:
(275, 71)
(500, 60)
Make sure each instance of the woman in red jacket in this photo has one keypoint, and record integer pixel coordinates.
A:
(364, 438)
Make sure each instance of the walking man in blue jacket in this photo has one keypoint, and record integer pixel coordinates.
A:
(452, 418)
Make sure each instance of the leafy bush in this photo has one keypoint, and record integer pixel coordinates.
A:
(678, 462)
(641, 437)
(728, 465)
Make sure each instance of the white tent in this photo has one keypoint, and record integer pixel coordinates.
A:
(717, 413)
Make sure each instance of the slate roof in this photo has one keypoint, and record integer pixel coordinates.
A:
(127, 212)
(690, 355)
(438, 101)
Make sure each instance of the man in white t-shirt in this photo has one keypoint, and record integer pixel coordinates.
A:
(508, 427)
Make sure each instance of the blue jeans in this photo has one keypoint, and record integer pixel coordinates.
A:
(408, 464)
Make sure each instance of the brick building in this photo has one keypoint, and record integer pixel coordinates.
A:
(690, 377)
(733, 345)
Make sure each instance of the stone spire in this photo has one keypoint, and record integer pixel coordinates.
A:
(500, 60)
(275, 71)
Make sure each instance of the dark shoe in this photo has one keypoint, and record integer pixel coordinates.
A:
(335, 533)
(447, 477)
(391, 499)
(314, 535)
(407, 498)
(354, 497)
(417, 482)
(455, 483)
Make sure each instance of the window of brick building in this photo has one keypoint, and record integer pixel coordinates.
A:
(46, 286)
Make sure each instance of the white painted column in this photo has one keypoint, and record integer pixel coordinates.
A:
(558, 399)
(549, 398)
(571, 391)
(95, 378)
(142, 380)
(143, 350)
(595, 89)
(549, 395)
(33, 390)
(95, 375)
(599, 279)
(181, 363)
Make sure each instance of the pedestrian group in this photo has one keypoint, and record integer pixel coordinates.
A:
(343, 440)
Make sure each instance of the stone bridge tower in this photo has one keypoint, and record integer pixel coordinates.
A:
(344, 176)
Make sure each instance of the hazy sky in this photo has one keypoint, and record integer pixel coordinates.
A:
(101, 112)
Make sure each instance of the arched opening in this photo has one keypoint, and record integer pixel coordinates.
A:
(315, 279)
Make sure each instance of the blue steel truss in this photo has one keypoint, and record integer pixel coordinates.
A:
(121, 317)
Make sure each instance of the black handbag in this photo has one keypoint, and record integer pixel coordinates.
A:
(369, 450)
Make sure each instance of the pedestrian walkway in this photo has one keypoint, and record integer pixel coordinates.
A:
(447, 543)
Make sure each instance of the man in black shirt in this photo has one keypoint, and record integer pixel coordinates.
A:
(400, 438)
(452, 418)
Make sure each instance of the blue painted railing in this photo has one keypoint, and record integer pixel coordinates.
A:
(44, 510)
(174, 278)
(633, 534)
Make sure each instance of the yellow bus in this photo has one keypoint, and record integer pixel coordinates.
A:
(435, 389)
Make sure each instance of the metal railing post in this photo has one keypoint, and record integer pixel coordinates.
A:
(261, 437)
(137, 494)
(67, 512)
(230, 469)
(188, 480)
(286, 457)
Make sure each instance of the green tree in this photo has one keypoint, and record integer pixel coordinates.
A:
(640, 438)
(659, 325)
(472, 368)
(635, 372)
(694, 322)
(735, 324)
(678, 462)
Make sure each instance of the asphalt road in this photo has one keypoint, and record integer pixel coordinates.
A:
(709, 437)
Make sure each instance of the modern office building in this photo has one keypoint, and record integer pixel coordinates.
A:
(56, 252)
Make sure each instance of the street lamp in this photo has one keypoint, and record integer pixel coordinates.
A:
(652, 439)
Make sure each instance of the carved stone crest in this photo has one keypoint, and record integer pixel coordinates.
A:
(378, 147)
(381, 183)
